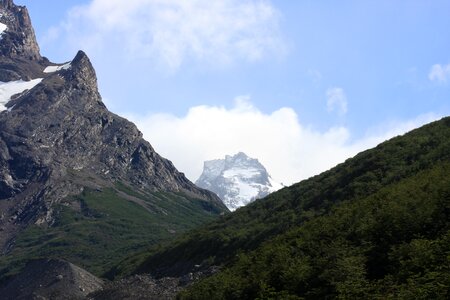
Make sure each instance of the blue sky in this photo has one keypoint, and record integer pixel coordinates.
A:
(301, 85)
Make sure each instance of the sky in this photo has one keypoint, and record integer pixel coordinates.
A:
(300, 85)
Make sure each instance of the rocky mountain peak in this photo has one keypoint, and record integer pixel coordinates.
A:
(237, 179)
(81, 73)
(83, 66)
(17, 38)
(55, 132)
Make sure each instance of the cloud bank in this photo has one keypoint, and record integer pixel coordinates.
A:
(173, 31)
(290, 150)
(439, 73)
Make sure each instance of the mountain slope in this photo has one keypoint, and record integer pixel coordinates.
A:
(51, 279)
(395, 177)
(59, 144)
(393, 244)
(237, 180)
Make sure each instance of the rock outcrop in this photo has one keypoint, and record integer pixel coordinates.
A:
(53, 279)
(19, 39)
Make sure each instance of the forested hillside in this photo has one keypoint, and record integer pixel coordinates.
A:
(377, 224)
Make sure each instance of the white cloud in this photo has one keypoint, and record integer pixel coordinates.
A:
(439, 73)
(172, 32)
(336, 100)
(291, 151)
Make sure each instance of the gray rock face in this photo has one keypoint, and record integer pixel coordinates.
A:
(237, 180)
(58, 137)
(19, 39)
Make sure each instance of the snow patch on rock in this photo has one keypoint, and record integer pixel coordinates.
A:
(3, 27)
(52, 69)
(9, 89)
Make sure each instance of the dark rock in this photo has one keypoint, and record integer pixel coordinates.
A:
(51, 279)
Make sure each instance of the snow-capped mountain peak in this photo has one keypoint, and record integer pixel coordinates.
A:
(238, 180)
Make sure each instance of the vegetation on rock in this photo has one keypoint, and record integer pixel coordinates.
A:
(98, 228)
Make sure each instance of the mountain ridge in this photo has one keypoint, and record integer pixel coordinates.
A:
(262, 254)
(58, 140)
(79, 182)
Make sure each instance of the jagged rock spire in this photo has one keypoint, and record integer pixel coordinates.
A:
(19, 39)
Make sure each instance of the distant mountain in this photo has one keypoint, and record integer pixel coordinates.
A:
(374, 227)
(237, 180)
(77, 181)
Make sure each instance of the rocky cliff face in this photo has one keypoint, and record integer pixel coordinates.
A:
(19, 39)
(237, 180)
(57, 137)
